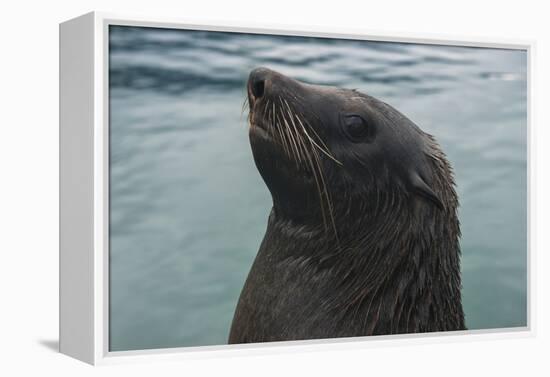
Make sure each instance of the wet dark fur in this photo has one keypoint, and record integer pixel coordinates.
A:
(374, 252)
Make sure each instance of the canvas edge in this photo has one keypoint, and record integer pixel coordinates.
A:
(76, 238)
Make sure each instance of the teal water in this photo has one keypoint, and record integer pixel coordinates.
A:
(188, 208)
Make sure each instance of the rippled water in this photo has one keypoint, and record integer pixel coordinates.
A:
(189, 209)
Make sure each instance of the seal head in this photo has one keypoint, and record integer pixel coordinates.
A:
(359, 143)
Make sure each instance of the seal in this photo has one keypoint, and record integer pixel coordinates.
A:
(363, 235)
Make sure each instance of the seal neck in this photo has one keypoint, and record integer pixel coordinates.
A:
(416, 246)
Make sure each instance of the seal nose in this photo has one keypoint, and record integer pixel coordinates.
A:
(257, 82)
(258, 86)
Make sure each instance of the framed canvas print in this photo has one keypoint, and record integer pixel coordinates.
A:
(226, 188)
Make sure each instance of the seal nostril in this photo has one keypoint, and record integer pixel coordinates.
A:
(258, 88)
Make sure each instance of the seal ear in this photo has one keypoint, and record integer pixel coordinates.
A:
(420, 187)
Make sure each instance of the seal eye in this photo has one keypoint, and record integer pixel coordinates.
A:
(357, 129)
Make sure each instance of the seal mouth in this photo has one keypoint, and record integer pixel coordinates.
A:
(259, 130)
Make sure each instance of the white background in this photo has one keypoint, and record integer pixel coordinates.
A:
(29, 186)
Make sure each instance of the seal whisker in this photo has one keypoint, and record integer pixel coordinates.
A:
(286, 138)
(292, 114)
(327, 195)
(318, 185)
(284, 131)
(266, 108)
(324, 185)
(244, 107)
(317, 145)
(293, 132)
(299, 135)
(309, 126)
(293, 138)
(275, 124)
(316, 176)
(281, 137)
(318, 137)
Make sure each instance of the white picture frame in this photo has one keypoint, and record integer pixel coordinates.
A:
(84, 283)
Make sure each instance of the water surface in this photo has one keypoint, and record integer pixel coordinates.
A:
(188, 208)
